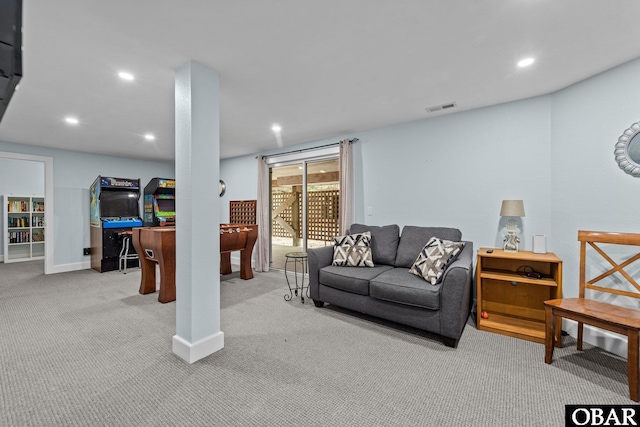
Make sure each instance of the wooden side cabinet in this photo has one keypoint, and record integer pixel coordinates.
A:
(512, 299)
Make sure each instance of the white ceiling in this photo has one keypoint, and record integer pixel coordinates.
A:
(320, 69)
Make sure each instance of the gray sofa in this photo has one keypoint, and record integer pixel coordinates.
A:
(389, 291)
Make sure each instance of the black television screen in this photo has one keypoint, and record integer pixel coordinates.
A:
(119, 204)
(10, 50)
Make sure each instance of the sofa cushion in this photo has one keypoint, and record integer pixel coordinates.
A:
(384, 241)
(434, 259)
(414, 238)
(354, 280)
(400, 286)
(353, 250)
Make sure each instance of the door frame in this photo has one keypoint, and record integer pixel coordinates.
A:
(48, 203)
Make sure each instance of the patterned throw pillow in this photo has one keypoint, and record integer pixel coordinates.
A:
(434, 259)
(353, 250)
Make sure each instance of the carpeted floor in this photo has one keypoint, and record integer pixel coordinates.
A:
(85, 349)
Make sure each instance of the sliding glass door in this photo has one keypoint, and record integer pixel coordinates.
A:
(304, 206)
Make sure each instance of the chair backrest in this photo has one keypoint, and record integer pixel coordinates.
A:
(591, 238)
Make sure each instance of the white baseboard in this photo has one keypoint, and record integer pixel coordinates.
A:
(609, 341)
(63, 268)
(192, 352)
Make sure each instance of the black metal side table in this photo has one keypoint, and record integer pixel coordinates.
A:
(297, 259)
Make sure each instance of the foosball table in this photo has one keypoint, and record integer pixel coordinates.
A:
(237, 237)
(157, 245)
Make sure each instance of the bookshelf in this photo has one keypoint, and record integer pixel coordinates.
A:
(23, 228)
(512, 300)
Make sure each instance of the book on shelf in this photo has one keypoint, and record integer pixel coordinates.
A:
(19, 237)
(22, 222)
(18, 206)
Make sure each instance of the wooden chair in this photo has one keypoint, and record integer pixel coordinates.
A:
(603, 315)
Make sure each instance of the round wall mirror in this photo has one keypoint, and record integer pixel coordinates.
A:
(627, 150)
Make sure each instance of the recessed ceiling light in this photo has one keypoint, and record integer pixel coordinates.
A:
(322, 171)
(125, 76)
(149, 137)
(71, 120)
(276, 128)
(526, 62)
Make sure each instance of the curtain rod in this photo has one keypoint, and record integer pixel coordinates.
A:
(351, 141)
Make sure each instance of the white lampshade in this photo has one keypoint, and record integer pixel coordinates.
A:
(512, 208)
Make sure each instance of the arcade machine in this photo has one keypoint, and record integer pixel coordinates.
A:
(160, 202)
(114, 213)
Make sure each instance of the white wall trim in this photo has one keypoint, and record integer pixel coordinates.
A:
(63, 268)
(48, 203)
(609, 341)
(192, 352)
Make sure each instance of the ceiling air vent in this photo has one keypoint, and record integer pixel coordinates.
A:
(442, 107)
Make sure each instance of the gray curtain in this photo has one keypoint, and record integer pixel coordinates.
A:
(346, 185)
(262, 217)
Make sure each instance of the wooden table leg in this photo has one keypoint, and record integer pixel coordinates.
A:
(148, 279)
(549, 324)
(225, 263)
(167, 263)
(580, 334)
(167, 283)
(632, 364)
(558, 331)
(246, 272)
(245, 255)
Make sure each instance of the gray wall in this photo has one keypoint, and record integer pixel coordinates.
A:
(73, 173)
(555, 152)
(452, 171)
(240, 174)
(589, 190)
(20, 178)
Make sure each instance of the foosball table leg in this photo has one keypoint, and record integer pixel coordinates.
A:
(225, 263)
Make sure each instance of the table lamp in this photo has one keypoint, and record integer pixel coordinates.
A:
(512, 208)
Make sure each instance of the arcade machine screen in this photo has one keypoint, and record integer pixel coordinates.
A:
(166, 205)
(118, 204)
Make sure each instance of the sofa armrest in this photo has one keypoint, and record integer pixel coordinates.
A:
(318, 258)
(456, 294)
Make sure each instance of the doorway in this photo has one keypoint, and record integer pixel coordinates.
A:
(48, 201)
(305, 197)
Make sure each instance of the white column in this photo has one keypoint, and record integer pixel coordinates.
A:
(198, 213)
